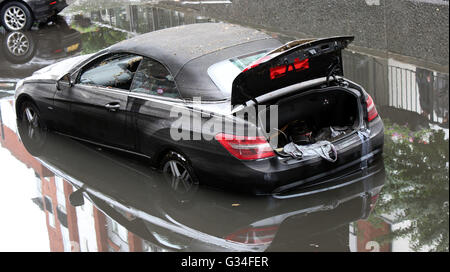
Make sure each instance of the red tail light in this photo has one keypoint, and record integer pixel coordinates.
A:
(280, 71)
(53, 3)
(254, 236)
(246, 148)
(371, 109)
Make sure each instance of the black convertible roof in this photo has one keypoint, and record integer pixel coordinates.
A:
(178, 45)
(189, 50)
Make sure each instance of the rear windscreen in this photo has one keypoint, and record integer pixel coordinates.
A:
(224, 72)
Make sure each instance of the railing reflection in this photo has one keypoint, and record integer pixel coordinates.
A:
(143, 19)
(401, 86)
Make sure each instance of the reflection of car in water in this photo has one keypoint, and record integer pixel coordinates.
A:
(18, 15)
(22, 53)
(172, 215)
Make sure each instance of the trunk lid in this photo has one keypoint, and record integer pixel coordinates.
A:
(295, 62)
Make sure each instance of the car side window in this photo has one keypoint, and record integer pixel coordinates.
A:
(113, 71)
(154, 79)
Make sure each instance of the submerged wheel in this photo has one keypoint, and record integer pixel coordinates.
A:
(179, 174)
(31, 128)
(31, 117)
(16, 16)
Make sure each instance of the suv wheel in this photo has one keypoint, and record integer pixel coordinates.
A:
(16, 16)
(19, 47)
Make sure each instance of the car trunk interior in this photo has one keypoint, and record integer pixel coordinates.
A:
(315, 116)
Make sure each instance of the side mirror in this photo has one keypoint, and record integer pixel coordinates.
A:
(76, 198)
(65, 82)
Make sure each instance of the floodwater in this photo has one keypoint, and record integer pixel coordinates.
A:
(58, 194)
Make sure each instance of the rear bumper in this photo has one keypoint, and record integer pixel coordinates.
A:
(44, 9)
(278, 175)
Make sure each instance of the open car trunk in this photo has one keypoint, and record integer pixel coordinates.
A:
(310, 118)
(314, 118)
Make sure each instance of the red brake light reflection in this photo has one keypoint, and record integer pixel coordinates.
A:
(254, 236)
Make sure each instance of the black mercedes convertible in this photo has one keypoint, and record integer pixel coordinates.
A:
(215, 104)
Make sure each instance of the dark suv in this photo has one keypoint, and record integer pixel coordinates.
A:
(18, 15)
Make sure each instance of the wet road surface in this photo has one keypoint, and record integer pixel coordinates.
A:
(58, 194)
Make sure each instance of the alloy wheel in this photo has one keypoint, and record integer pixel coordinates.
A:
(181, 180)
(32, 119)
(15, 18)
(18, 44)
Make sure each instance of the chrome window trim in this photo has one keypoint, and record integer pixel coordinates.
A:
(155, 97)
(105, 89)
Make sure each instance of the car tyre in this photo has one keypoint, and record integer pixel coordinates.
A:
(16, 16)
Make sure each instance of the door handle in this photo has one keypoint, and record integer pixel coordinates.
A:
(114, 106)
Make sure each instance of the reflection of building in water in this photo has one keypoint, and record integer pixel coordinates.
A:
(401, 86)
(363, 236)
(83, 228)
(60, 217)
